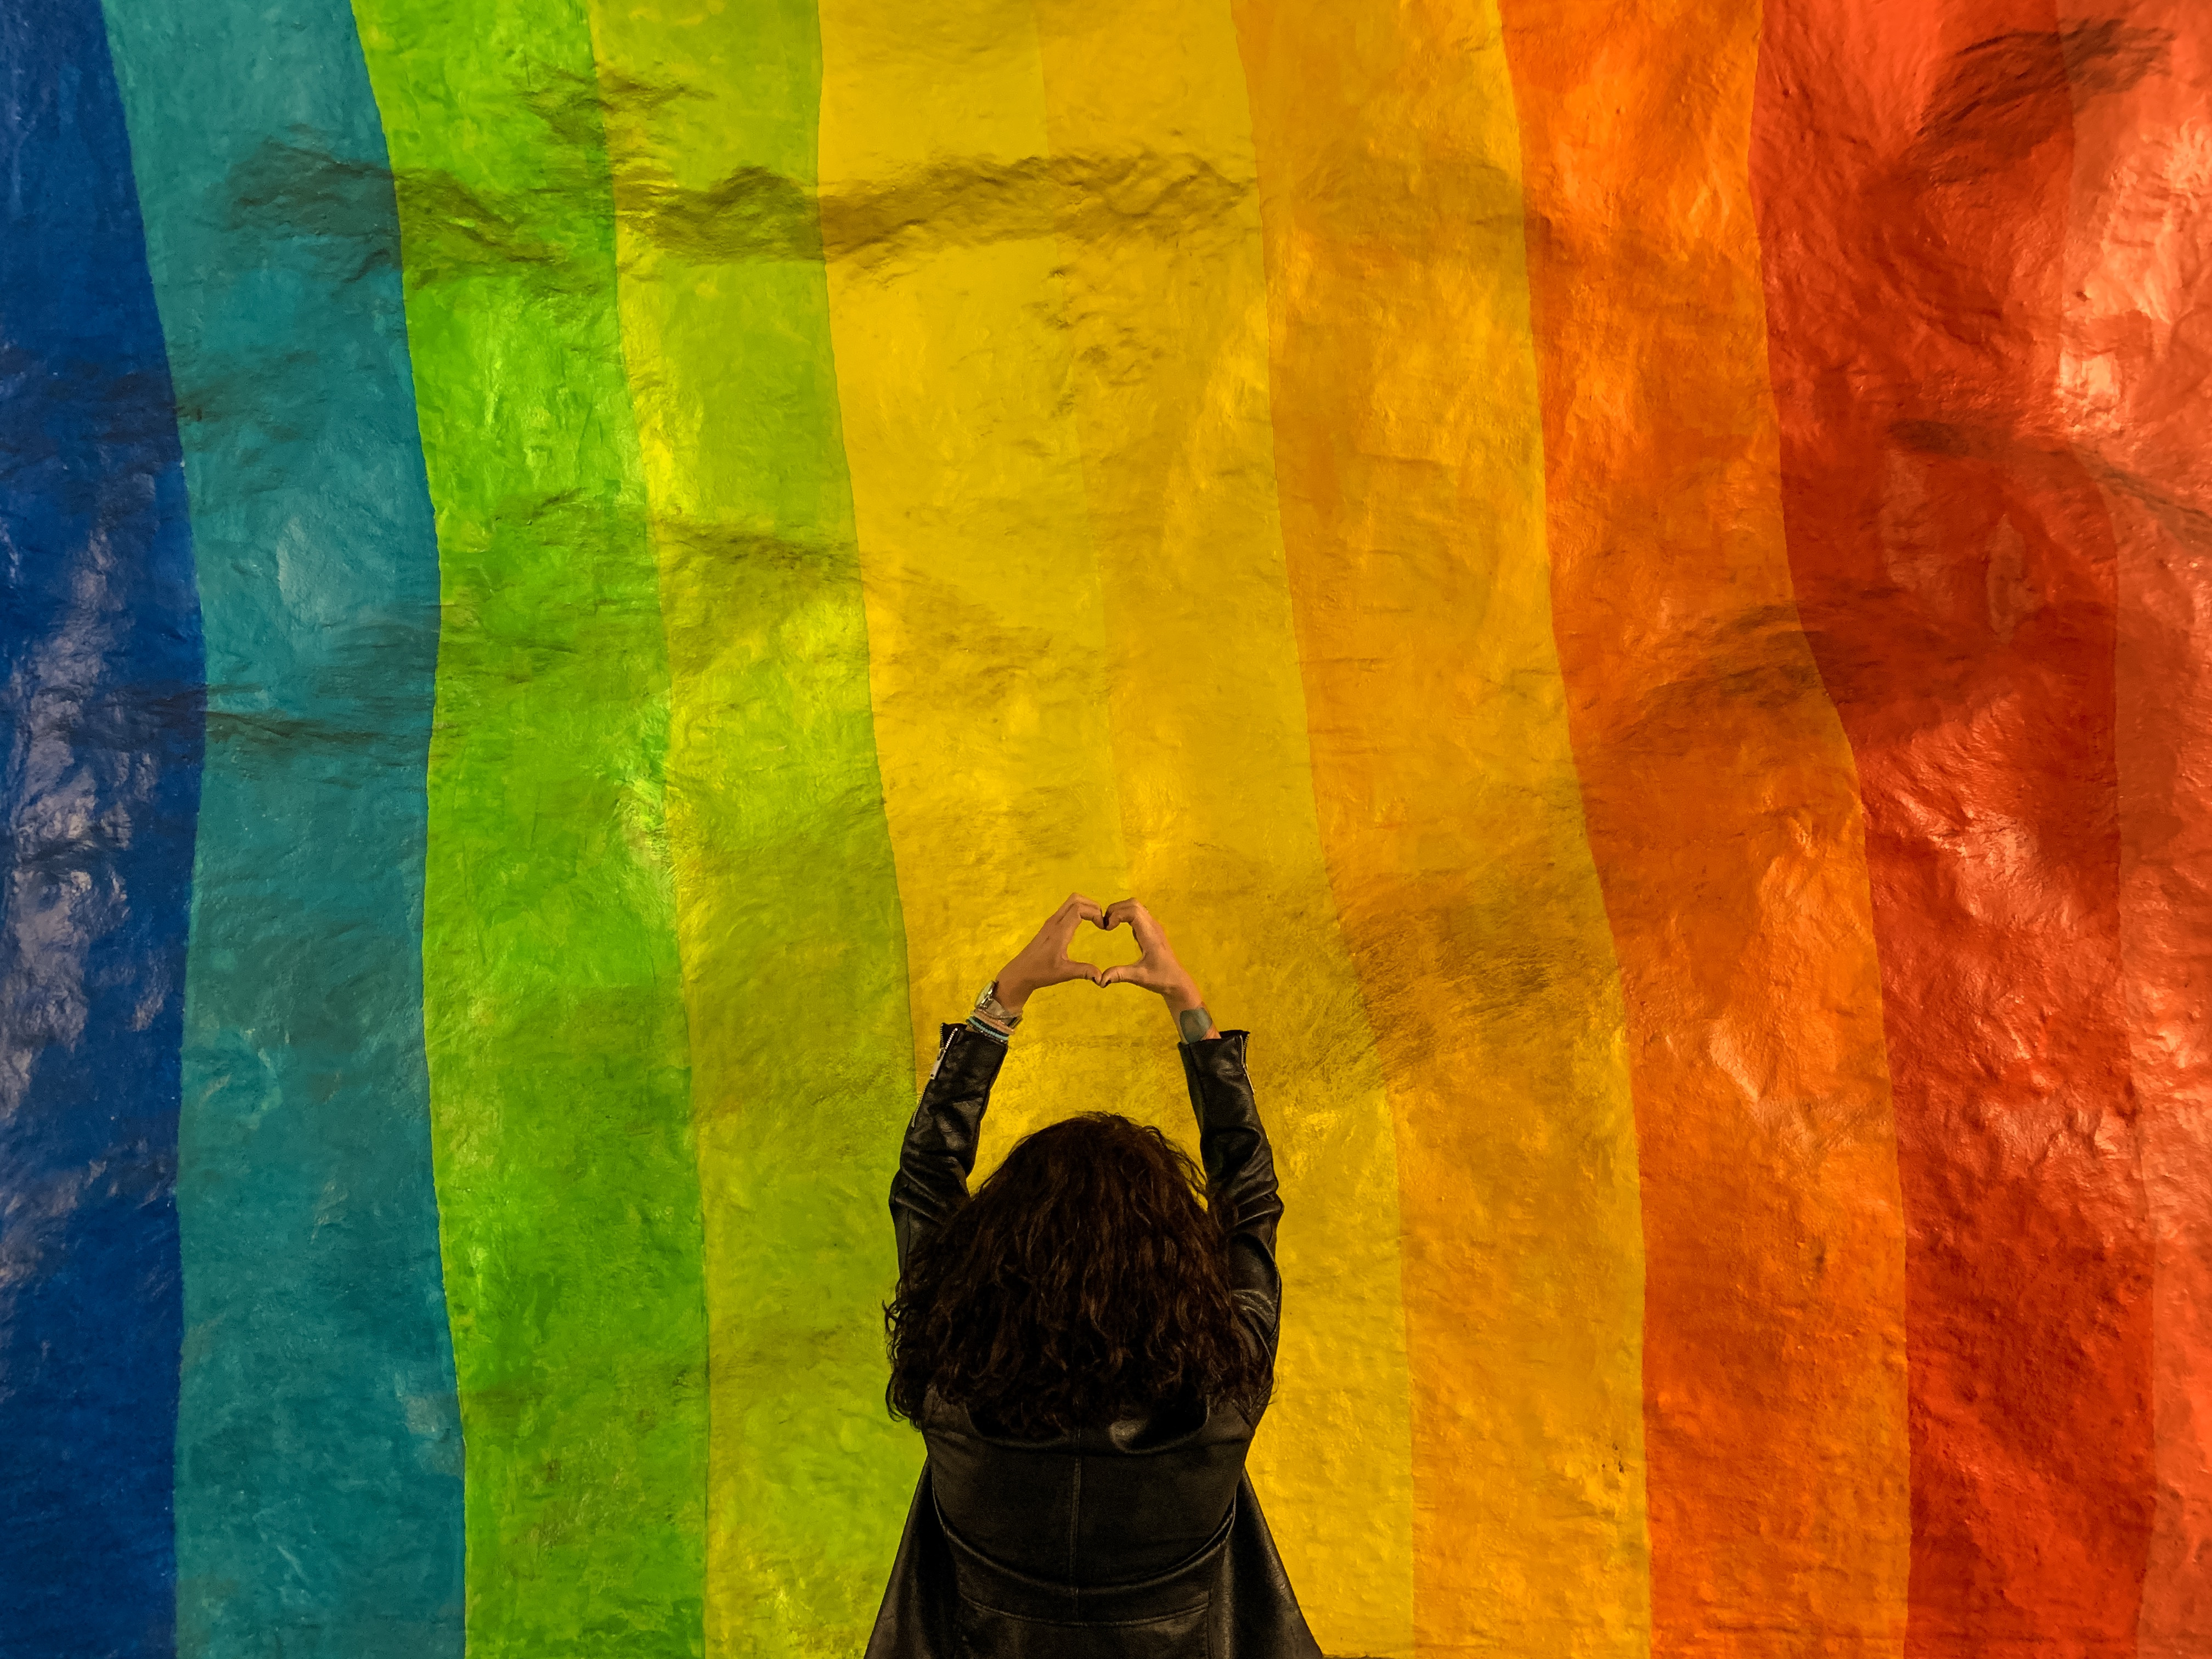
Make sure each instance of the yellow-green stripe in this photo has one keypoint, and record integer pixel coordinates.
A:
(794, 955)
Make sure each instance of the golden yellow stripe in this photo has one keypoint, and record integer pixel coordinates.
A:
(1411, 467)
(1165, 298)
(787, 905)
(987, 650)
(1081, 643)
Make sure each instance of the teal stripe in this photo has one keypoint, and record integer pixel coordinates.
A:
(318, 1455)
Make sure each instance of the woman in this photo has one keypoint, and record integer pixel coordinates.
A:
(1086, 1352)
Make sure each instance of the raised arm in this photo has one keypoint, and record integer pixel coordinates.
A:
(1240, 1176)
(1232, 1143)
(940, 1150)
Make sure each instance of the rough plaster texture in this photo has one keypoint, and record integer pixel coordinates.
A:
(1631, 579)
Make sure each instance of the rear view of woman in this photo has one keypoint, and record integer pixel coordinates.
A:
(1087, 1350)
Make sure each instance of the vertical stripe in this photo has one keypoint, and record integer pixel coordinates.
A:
(1955, 564)
(553, 1010)
(794, 964)
(318, 1491)
(99, 678)
(2139, 246)
(2129, 382)
(1409, 457)
(1724, 816)
(1166, 306)
(986, 646)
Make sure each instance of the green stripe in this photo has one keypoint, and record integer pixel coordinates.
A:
(559, 1090)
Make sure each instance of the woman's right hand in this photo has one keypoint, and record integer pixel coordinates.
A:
(1156, 969)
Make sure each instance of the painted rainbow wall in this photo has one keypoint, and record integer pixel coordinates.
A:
(1635, 580)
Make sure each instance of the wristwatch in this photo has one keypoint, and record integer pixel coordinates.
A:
(989, 1007)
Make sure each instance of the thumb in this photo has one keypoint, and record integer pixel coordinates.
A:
(1119, 975)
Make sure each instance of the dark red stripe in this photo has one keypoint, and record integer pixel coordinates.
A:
(2139, 286)
(1954, 565)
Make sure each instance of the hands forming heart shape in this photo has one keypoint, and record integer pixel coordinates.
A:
(1044, 960)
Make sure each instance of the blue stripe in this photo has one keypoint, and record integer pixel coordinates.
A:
(319, 1454)
(100, 673)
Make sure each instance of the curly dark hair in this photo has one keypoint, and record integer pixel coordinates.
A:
(1082, 1282)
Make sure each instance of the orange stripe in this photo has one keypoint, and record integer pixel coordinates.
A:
(1724, 810)
(1410, 475)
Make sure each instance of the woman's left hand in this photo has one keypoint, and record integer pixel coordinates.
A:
(1044, 960)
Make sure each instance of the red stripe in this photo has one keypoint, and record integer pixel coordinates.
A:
(2139, 278)
(1954, 566)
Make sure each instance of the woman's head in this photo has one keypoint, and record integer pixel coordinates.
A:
(1084, 1281)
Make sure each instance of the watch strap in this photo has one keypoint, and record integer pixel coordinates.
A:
(989, 1007)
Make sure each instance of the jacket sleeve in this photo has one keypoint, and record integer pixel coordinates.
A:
(931, 1182)
(1240, 1176)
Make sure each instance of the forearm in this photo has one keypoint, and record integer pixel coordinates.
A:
(1240, 1165)
(938, 1152)
(1187, 1009)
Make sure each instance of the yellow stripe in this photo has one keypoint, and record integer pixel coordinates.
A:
(987, 642)
(1166, 310)
(1061, 672)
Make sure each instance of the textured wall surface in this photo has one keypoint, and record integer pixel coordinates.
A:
(1632, 579)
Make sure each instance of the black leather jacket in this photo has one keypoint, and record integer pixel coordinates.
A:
(1137, 1540)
